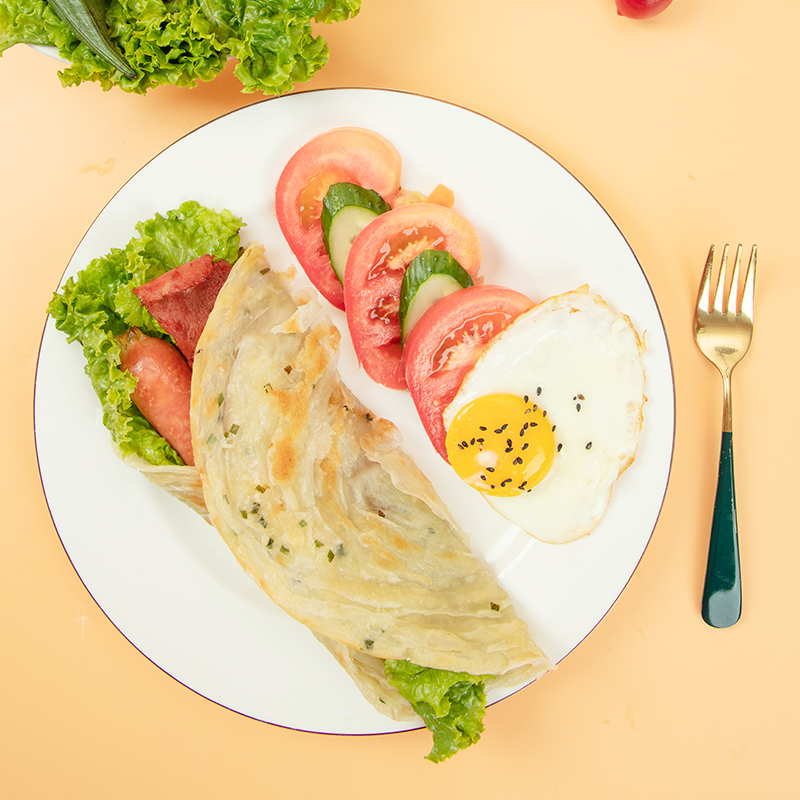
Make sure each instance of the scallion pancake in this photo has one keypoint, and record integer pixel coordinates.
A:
(323, 509)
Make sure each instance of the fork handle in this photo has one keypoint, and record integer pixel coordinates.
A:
(722, 593)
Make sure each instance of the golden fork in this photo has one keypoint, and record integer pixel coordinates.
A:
(723, 331)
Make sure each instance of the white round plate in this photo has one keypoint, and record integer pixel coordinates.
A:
(165, 578)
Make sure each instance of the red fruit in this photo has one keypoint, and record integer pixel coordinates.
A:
(352, 155)
(445, 344)
(641, 9)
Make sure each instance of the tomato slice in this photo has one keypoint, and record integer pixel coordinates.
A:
(353, 155)
(374, 273)
(445, 344)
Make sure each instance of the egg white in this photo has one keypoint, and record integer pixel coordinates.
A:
(580, 361)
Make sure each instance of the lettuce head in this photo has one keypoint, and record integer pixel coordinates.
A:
(181, 42)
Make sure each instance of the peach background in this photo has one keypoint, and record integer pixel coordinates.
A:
(686, 128)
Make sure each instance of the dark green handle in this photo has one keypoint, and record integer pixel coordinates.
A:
(722, 594)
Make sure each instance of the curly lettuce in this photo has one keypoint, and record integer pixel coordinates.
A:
(98, 304)
(181, 42)
(451, 704)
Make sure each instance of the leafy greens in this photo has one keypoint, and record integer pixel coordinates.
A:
(98, 305)
(452, 704)
(181, 42)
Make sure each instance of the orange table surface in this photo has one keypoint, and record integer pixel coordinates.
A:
(685, 127)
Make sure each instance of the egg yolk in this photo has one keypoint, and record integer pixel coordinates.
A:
(501, 444)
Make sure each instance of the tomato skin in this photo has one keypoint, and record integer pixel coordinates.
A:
(374, 274)
(641, 9)
(356, 155)
(447, 341)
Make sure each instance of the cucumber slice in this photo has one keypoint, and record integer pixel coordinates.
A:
(346, 210)
(432, 275)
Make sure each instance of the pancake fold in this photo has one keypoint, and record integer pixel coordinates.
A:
(315, 498)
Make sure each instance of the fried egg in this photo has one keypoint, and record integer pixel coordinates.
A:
(550, 415)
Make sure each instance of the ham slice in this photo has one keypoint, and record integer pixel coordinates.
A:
(181, 299)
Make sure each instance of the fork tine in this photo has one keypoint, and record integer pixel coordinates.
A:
(748, 293)
(705, 293)
(720, 301)
(733, 301)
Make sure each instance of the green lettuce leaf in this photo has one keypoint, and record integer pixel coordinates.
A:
(26, 22)
(181, 42)
(98, 304)
(452, 704)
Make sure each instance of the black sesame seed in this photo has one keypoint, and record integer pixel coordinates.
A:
(558, 449)
(588, 445)
(526, 398)
(483, 477)
(480, 441)
(525, 446)
(509, 442)
(538, 390)
(517, 460)
(508, 449)
(490, 469)
(578, 406)
(507, 480)
(553, 428)
(472, 441)
(482, 428)
(498, 430)
(528, 410)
